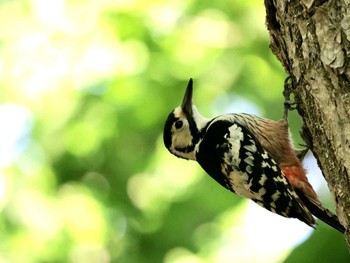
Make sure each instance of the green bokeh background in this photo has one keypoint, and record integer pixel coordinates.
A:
(93, 82)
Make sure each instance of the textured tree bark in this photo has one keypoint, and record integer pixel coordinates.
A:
(311, 39)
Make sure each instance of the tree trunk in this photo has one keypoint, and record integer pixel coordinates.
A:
(311, 39)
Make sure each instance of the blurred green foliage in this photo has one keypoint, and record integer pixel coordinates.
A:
(85, 89)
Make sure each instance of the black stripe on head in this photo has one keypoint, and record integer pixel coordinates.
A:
(194, 132)
(167, 129)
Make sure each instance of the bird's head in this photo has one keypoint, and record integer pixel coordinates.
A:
(182, 130)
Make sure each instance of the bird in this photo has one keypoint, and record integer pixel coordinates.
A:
(251, 156)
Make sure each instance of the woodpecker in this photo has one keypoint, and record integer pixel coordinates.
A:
(251, 156)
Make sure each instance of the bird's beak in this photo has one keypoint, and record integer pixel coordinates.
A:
(187, 100)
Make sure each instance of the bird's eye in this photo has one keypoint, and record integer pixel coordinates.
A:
(178, 124)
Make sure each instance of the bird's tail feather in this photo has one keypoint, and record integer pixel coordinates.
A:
(321, 212)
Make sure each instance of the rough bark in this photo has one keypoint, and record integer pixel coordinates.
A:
(311, 39)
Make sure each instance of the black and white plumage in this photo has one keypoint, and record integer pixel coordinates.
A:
(236, 151)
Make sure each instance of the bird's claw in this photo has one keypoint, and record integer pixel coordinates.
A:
(302, 153)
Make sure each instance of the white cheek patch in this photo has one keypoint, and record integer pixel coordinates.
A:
(182, 138)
